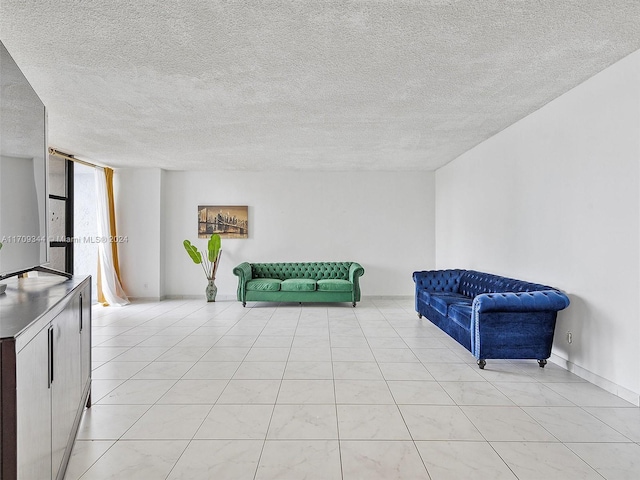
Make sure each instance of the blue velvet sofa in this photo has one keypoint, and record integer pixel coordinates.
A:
(491, 316)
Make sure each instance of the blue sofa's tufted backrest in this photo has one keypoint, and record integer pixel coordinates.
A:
(314, 270)
(439, 280)
(474, 283)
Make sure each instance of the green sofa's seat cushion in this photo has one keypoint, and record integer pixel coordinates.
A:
(334, 285)
(298, 285)
(264, 285)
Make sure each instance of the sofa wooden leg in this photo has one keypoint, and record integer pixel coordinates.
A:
(244, 304)
(353, 304)
(481, 363)
(542, 363)
(419, 315)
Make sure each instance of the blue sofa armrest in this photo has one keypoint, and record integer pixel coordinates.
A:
(355, 272)
(438, 280)
(543, 300)
(244, 274)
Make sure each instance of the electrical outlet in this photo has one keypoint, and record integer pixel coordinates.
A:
(569, 337)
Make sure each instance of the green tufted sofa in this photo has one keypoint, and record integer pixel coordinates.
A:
(299, 282)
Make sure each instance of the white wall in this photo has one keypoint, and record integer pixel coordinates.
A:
(383, 220)
(555, 199)
(139, 217)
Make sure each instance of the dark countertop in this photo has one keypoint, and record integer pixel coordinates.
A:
(27, 299)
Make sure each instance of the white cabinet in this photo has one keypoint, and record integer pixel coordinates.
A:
(65, 380)
(45, 374)
(33, 395)
(85, 341)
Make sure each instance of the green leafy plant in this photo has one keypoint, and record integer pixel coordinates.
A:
(210, 261)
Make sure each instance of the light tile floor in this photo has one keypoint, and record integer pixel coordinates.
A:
(183, 389)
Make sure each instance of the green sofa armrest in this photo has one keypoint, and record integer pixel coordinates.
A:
(244, 274)
(355, 272)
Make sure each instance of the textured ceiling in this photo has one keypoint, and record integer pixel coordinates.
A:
(307, 85)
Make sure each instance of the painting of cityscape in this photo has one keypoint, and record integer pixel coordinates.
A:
(227, 221)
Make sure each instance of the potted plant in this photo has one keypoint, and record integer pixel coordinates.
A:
(209, 262)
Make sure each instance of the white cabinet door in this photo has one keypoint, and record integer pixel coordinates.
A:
(33, 396)
(85, 336)
(65, 386)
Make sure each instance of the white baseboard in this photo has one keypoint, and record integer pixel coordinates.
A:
(597, 380)
(226, 298)
(221, 298)
(388, 297)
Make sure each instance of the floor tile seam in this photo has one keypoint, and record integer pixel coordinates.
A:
(502, 459)
(115, 359)
(125, 379)
(389, 387)
(148, 306)
(412, 439)
(339, 445)
(214, 346)
(549, 381)
(175, 381)
(100, 344)
(111, 359)
(162, 396)
(273, 409)
(290, 347)
(398, 440)
(558, 441)
(398, 333)
(95, 401)
(573, 406)
(201, 423)
(113, 443)
(495, 382)
(117, 334)
(566, 444)
(584, 409)
(275, 401)
(584, 406)
(159, 316)
(120, 438)
(553, 443)
(132, 325)
(443, 389)
(521, 409)
(584, 459)
(493, 385)
(335, 396)
(203, 307)
(261, 330)
(198, 379)
(422, 459)
(116, 316)
(177, 459)
(306, 403)
(366, 338)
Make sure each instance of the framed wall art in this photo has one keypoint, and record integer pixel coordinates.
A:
(229, 221)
